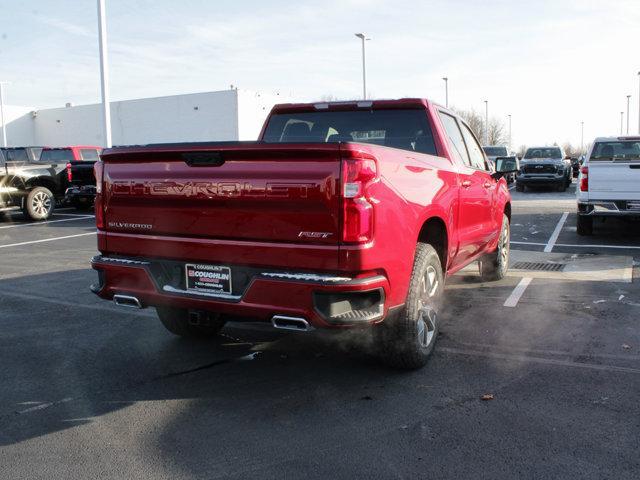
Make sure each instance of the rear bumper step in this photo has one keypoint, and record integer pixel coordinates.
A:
(322, 300)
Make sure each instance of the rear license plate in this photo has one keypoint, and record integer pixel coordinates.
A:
(208, 278)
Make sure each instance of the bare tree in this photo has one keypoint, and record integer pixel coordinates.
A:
(522, 150)
(497, 135)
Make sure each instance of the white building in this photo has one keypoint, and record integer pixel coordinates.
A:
(198, 117)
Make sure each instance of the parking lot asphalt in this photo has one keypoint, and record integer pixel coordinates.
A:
(90, 390)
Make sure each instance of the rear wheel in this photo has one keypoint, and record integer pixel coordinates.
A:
(407, 339)
(494, 266)
(584, 225)
(39, 204)
(562, 186)
(180, 322)
(519, 187)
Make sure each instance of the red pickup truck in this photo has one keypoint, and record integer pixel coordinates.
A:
(341, 215)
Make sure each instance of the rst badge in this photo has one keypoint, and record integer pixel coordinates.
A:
(314, 234)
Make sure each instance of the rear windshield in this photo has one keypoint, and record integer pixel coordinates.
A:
(404, 129)
(496, 151)
(625, 150)
(17, 155)
(543, 153)
(58, 155)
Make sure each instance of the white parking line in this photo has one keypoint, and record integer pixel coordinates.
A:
(74, 214)
(622, 247)
(556, 233)
(48, 221)
(514, 298)
(46, 240)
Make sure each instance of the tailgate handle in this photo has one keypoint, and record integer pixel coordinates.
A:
(635, 167)
(203, 159)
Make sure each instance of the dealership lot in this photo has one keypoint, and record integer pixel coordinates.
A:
(90, 390)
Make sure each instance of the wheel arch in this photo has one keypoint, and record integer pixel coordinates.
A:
(434, 232)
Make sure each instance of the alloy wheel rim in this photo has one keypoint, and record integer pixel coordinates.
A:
(427, 316)
(504, 245)
(41, 203)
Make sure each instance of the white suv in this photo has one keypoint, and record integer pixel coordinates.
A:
(609, 181)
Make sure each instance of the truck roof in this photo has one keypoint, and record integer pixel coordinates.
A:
(413, 103)
(617, 139)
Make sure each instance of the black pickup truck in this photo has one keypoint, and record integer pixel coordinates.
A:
(35, 186)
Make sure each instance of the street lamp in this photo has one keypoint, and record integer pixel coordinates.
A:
(104, 73)
(446, 91)
(4, 127)
(581, 137)
(628, 98)
(486, 122)
(510, 147)
(638, 102)
(621, 121)
(364, 38)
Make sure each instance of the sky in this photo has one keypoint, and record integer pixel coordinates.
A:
(549, 64)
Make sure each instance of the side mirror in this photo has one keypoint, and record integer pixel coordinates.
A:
(507, 164)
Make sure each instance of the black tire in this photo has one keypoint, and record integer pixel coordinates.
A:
(178, 322)
(495, 266)
(519, 187)
(584, 225)
(407, 339)
(82, 206)
(562, 186)
(39, 204)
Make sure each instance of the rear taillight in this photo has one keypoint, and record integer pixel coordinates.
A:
(69, 173)
(98, 169)
(358, 173)
(584, 179)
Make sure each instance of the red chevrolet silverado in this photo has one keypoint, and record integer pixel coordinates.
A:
(341, 215)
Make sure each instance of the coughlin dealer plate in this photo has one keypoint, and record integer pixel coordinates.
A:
(208, 278)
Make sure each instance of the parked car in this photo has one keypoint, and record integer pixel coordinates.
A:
(81, 189)
(609, 181)
(306, 228)
(22, 154)
(36, 186)
(544, 166)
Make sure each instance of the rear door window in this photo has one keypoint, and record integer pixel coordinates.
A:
(57, 155)
(475, 151)
(89, 154)
(455, 138)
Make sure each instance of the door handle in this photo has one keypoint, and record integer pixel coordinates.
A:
(466, 183)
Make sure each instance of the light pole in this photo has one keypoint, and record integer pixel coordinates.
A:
(621, 121)
(364, 38)
(628, 98)
(638, 102)
(446, 91)
(581, 137)
(104, 73)
(4, 127)
(486, 122)
(510, 148)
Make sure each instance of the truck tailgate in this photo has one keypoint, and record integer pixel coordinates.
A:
(614, 180)
(82, 173)
(230, 191)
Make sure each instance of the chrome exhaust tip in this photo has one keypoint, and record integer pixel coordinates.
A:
(296, 324)
(127, 301)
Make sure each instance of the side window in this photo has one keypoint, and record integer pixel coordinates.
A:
(455, 138)
(89, 154)
(475, 151)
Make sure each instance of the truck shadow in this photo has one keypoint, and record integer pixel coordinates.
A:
(69, 359)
